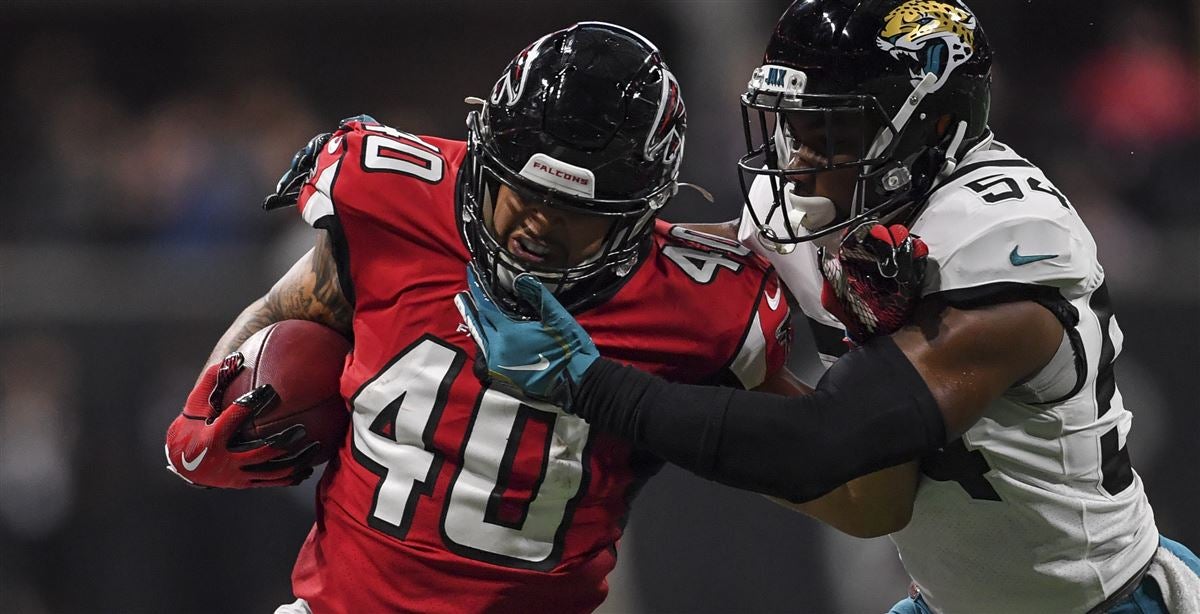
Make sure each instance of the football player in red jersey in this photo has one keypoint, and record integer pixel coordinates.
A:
(448, 494)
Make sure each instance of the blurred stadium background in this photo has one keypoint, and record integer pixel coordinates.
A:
(140, 137)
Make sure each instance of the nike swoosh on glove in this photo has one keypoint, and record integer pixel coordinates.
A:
(873, 279)
(542, 359)
(200, 442)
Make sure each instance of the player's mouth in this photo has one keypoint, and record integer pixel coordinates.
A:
(529, 249)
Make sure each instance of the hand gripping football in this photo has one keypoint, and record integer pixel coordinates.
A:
(303, 361)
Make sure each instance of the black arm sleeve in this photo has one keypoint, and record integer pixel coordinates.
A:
(871, 410)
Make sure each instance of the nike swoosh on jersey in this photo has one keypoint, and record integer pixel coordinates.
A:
(540, 365)
(1018, 259)
(773, 301)
(195, 462)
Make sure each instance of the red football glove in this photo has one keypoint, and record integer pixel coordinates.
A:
(202, 447)
(874, 280)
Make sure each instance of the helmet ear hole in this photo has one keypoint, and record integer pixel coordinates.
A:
(943, 124)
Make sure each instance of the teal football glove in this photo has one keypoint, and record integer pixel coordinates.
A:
(542, 359)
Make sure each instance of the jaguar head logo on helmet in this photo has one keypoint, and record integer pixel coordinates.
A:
(935, 37)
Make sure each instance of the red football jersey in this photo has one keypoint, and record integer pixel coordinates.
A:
(449, 496)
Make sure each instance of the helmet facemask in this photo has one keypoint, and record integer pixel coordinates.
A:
(629, 223)
(825, 133)
(918, 72)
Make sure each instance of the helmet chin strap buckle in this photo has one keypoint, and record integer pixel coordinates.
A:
(768, 241)
(896, 179)
(624, 268)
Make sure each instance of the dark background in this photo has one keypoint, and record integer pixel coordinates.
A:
(139, 138)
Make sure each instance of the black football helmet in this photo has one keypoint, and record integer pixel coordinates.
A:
(587, 119)
(895, 89)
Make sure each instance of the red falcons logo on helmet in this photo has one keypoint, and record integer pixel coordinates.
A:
(511, 86)
(665, 140)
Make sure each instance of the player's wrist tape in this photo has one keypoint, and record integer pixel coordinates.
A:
(871, 410)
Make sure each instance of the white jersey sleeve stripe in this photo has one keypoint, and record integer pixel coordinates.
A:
(320, 203)
(750, 364)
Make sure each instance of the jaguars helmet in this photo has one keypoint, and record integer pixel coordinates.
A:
(895, 90)
(587, 119)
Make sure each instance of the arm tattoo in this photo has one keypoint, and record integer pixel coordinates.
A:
(309, 291)
(337, 312)
(253, 319)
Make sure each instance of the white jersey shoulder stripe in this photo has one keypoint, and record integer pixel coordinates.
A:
(750, 364)
(320, 203)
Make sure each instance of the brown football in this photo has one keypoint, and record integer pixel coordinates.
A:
(303, 361)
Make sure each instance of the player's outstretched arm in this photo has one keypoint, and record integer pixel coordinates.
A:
(892, 400)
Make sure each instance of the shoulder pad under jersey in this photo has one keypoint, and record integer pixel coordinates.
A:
(997, 224)
(378, 170)
(728, 278)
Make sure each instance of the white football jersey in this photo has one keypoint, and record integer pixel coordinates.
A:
(1036, 507)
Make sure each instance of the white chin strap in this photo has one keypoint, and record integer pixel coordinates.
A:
(924, 87)
(807, 213)
(505, 277)
(952, 156)
(803, 214)
(783, 145)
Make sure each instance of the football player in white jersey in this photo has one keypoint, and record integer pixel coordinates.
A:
(985, 349)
